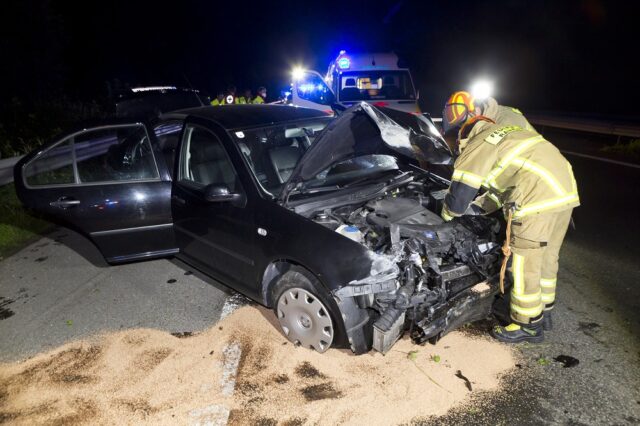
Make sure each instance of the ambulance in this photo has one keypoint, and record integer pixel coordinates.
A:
(375, 78)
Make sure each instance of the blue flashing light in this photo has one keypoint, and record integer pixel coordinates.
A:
(344, 63)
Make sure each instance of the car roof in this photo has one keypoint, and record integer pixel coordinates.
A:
(242, 116)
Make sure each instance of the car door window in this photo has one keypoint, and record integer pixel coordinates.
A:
(114, 154)
(167, 134)
(53, 167)
(204, 159)
(105, 154)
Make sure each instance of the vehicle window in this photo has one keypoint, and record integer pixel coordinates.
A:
(167, 135)
(204, 159)
(54, 167)
(314, 89)
(273, 152)
(375, 85)
(115, 153)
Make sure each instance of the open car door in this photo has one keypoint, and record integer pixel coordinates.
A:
(309, 90)
(108, 182)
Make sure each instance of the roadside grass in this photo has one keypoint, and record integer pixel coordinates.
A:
(17, 226)
(629, 149)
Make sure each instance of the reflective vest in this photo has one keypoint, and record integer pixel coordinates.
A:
(258, 100)
(518, 168)
(216, 102)
(233, 99)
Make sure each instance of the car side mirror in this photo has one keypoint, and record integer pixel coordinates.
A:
(219, 193)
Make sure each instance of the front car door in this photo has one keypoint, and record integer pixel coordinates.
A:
(217, 235)
(108, 182)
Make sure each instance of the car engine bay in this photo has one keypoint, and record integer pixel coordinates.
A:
(427, 276)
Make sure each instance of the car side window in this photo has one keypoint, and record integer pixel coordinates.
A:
(204, 160)
(100, 155)
(53, 167)
(167, 134)
(120, 153)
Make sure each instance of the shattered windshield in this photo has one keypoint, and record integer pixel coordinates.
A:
(273, 152)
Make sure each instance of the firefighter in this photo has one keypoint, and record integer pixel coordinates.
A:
(262, 95)
(533, 183)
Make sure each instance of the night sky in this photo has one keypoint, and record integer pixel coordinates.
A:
(576, 56)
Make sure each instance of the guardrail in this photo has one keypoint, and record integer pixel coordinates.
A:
(6, 169)
(589, 125)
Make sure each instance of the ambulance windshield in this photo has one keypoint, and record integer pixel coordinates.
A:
(375, 85)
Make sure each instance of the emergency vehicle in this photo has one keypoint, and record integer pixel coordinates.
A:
(374, 78)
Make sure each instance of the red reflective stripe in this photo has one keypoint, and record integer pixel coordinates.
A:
(381, 104)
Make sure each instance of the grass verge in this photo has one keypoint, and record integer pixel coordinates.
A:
(629, 149)
(17, 226)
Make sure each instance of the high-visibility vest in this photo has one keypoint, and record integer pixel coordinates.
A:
(258, 100)
(216, 102)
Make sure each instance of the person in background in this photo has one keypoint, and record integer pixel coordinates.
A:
(262, 95)
(219, 99)
(246, 97)
(230, 97)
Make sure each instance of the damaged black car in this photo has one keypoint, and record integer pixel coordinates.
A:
(332, 222)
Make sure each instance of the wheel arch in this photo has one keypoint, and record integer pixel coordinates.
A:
(275, 270)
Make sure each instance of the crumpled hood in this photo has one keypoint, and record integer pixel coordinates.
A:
(366, 130)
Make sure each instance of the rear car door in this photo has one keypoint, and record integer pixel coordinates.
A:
(214, 231)
(108, 182)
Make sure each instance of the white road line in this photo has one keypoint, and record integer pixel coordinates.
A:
(232, 303)
(212, 415)
(606, 160)
(232, 354)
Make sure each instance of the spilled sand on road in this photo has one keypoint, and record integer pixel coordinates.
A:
(149, 376)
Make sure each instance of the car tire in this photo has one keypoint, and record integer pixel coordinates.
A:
(307, 314)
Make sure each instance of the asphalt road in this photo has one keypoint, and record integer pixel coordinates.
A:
(59, 289)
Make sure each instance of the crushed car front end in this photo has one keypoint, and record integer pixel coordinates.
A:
(426, 276)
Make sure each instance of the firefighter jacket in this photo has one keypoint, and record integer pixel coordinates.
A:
(518, 168)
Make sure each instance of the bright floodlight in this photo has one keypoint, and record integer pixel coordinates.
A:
(482, 89)
(297, 73)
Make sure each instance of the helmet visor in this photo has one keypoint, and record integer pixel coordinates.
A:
(454, 115)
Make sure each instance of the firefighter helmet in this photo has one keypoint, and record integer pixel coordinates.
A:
(458, 109)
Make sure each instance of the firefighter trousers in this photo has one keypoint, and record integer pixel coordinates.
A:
(535, 245)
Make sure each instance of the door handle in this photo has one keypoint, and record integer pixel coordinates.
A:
(65, 202)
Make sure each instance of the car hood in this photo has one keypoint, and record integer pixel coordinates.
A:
(365, 130)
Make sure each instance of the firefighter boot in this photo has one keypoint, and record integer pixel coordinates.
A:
(515, 333)
(547, 321)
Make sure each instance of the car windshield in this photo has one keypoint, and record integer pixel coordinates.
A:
(375, 85)
(273, 152)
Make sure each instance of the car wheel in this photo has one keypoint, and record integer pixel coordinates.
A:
(305, 312)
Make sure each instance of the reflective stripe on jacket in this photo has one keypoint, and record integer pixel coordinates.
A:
(518, 167)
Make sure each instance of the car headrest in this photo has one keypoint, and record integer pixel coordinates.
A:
(278, 139)
(205, 152)
(350, 82)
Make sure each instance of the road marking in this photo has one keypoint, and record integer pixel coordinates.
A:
(606, 160)
(232, 354)
(211, 415)
(232, 303)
